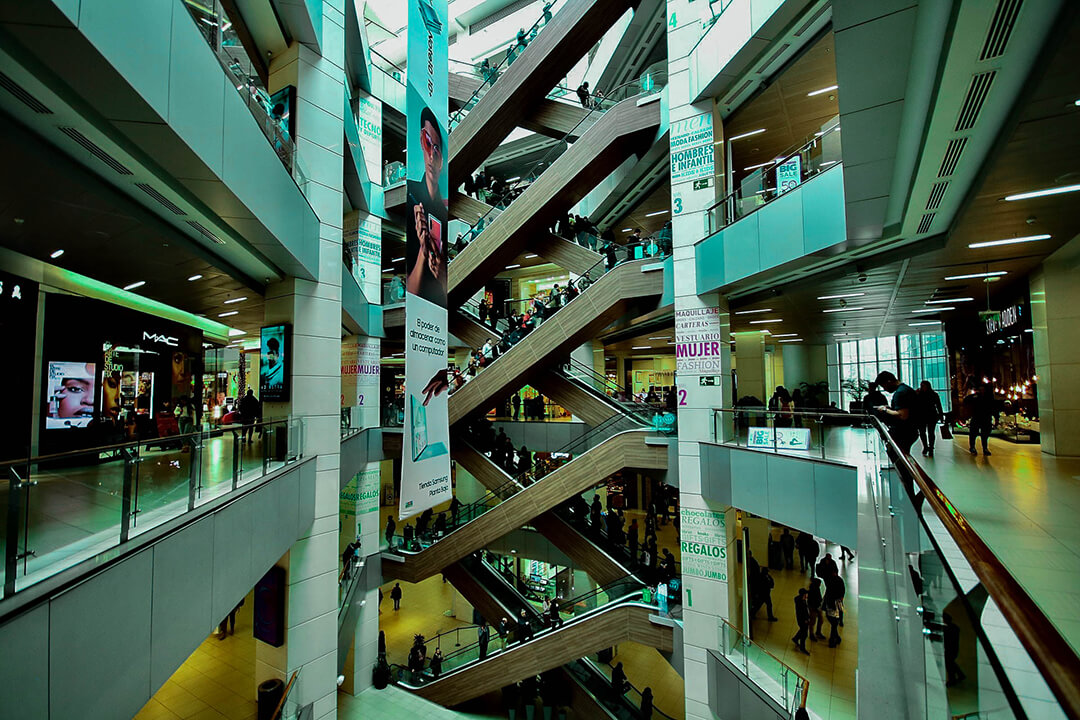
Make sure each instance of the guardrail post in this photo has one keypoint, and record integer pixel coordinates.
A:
(128, 506)
(195, 471)
(15, 507)
(237, 449)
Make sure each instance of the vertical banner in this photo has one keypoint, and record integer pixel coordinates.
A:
(369, 127)
(363, 235)
(360, 368)
(425, 466)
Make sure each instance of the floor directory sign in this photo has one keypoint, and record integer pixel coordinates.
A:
(425, 469)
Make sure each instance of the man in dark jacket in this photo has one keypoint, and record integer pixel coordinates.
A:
(250, 412)
(483, 636)
(808, 551)
(802, 621)
(787, 545)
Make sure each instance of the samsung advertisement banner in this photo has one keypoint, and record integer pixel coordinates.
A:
(425, 467)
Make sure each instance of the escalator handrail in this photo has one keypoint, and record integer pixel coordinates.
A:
(632, 407)
(513, 485)
(625, 600)
(656, 710)
(1052, 654)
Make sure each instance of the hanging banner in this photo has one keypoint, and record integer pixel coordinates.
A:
(363, 238)
(703, 541)
(369, 127)
(360, 370)
(699, 341)
(425, 467)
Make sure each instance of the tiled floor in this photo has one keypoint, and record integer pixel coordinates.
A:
(424, 608)
(217, 682)
(393, 703)
(831, 671)
(1024, 504)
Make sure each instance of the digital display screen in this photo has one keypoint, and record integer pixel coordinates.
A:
(274, 363)
(70, 393)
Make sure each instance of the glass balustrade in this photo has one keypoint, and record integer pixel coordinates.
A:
(783, 684)
(59, 510)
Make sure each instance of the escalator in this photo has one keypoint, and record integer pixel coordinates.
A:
(597, 683)
(626, 128)
(602, 302)
(602, 563)
(602, 453)
(502, 106)
(596, 620)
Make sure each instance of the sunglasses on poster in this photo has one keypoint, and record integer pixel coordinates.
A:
(429, 143)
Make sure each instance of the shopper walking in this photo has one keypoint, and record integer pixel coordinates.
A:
(813, 604)
(391, 526)
(808, 551)
(764, 595)
(983, 409)
(515, 403)
(787, 546)
(802, 621)
(483, 636)
(503, 628)
(229, 622)
(930, 413)
(901, 415)
(395, 595)
(250, 412)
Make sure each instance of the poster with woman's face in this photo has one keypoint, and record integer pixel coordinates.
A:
(70, 393)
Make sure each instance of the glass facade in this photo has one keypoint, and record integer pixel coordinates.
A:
(913, 358)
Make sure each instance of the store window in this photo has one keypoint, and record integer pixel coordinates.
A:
(914, 357)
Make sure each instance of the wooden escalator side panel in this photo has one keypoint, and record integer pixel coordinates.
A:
(477, 595)
(583, 404)
(567, 255)
(597, 564)
(607, 627)
(625, 450)
(621, 131)
(576, 27)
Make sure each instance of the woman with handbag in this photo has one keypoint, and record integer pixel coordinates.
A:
(834, 606)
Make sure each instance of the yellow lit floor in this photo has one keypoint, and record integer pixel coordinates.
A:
(217, 682)
(646, 667)
(831, 671)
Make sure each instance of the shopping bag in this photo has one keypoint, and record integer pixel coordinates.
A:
(946, 433)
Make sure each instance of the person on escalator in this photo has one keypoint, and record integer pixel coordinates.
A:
(455, 510)
(440, 525)
(524, 459)
(619, 683)
(610, 258)
(554, 619)
(529, 691)
(596, 517)
(483, 635)
(423, 523)
(417, 656)
(389, 532)
(584, 95)
(483, 310)
(407, 538)
(515, 403)
(646, 704)
(436, 663)
(525, 631)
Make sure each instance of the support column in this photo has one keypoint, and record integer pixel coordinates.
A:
(703, 359)
(1055, 311)
(313, 307)
(750, 365)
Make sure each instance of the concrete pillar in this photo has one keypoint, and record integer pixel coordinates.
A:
(750, 365)
(703, 357)
(313, 307)
(1055, 312)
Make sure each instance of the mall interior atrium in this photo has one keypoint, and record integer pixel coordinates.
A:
(673, 359)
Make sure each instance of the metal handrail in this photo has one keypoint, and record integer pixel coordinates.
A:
(746, 639)
(1052, 654)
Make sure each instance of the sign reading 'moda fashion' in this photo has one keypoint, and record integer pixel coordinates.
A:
(425, 462)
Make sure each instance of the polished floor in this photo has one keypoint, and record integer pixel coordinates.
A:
(830, 671)
(216, 682)
(1025, 506)
(645, 667)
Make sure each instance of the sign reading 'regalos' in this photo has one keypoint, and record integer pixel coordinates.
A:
(703, 543)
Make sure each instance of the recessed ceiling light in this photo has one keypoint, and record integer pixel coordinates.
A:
(843, 309)
(530, 256)
(641, 347)
(843, 334)
(388, 270)
(1008, 241)
(1044, 193)
(193, 278)
(822, 90)
(134, 285)
(795, 340)
(511, 267)
(234, 300)
(950, 300)
(930, 322)
(970, 276)
(759, 165)
(746, 135)
(1028, 330)
(932, 310)
(837, 297)
(658, 212)
(513, 179)
(661, 337)
(786, 335)
(227, 314)
(627, 230)
(763, 322)
(56, 253)
(233, 332)
(751, 312)
(1077, 103)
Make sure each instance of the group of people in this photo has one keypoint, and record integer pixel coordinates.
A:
(551, 687)
(590, 99)
(429, 527)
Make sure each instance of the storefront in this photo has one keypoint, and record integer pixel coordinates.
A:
(18, 323)
(109, 373)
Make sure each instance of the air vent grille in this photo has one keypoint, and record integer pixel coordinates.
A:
(162, 200)
(973, 103)
(925, 223)
(89, 145)
(773, 58)
(205, 233)
(730, 99)
(23, 96)
(813, 19)
(937, 193)
(1001, 27)
(952, 157)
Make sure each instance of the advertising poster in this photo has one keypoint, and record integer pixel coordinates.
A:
(698, 341)
(360, 369)
(788, 175)
(369, 127)
(692, 148)
(368, 253)
(425, 470)
(359, 497)
(766, 438)
(703, 540)
(70, 393)
(274, 363)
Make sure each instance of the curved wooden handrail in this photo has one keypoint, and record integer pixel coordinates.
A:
(1052, 654)
(284, 697)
